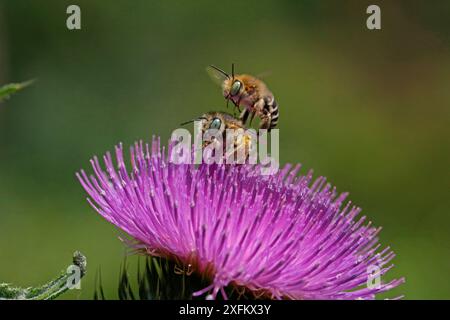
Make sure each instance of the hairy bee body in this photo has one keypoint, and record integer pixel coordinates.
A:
(222, 122)
(251, 93)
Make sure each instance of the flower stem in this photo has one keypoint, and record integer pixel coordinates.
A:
(66, 280)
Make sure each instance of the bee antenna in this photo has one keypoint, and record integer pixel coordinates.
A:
(220, 70)
(193, 120)
(232, 70)
(187, 122)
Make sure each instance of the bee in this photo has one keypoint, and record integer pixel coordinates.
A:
(219, 123)
(250, 92)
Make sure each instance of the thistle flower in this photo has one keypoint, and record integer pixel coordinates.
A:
(282, 236)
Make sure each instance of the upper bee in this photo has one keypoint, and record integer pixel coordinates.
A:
(249, 92)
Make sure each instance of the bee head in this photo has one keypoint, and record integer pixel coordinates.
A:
(213, 125)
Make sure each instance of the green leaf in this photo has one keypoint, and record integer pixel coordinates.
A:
(164, 279)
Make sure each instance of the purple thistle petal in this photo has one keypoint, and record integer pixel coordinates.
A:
(281, 236)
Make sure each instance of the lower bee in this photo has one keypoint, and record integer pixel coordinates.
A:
(251, 93)
(214, 129)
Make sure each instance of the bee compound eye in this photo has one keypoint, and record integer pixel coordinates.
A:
(215, 124)
(235, 87)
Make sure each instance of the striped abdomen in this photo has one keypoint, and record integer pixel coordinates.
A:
(271, 107)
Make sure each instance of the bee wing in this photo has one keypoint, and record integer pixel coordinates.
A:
(216, 75)
(264, 74)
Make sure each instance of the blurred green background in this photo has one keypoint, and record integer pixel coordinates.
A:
(368, 109)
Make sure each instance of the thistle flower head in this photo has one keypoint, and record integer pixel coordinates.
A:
(280, 236)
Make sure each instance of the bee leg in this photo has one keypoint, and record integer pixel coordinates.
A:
(239, 110)
(251, 118)
(244, 116)
(240, 152)
(236, 106)
(258, 108)
(237, 152)
(265, 121)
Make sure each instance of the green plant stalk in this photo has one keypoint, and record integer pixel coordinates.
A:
(48, 291)
(11, 88)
